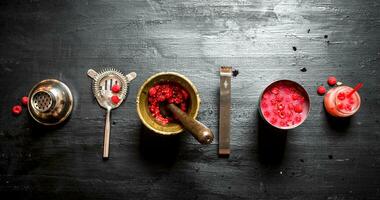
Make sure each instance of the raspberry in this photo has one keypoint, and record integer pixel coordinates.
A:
(341, 96)
(275, 90)
(321, 90)
(351, 100)
(290, 106)
(24, 100)
(264, 105)
(297, 119)
(273, 120)
(280, 106)
(115, 99)
(115, 88)
(331, 80)
(298, 108)
(340, 106)
(348, 107)
(152, 91)
(16, 110)
(267, 114)
(282, 114)
(295, 96)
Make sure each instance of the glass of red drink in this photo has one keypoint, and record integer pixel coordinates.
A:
(338, 104)
(284, 104)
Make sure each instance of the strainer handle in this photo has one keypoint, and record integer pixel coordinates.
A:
(106, 143)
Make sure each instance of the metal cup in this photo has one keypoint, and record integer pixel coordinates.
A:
(50, 102)
(303, 93)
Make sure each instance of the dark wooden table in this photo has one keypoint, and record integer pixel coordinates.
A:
(322, 159)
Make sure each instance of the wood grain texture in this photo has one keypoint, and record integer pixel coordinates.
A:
(322, 159)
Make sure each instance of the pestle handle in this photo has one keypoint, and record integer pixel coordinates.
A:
(196, 128)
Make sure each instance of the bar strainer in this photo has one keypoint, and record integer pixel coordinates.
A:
(107, 96)
(50, 102)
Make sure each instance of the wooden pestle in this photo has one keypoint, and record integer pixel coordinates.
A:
(196, 128)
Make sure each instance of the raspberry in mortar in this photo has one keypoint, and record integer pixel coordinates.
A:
(166, 93)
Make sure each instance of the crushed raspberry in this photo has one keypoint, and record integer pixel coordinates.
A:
(341, 96)
(264, 104)
(331, 80)
(321, 90)
(16, 110)
(282, 114)
(297, 119)
(267, 114)
(340, 106)
(24, 100)
(348, 107)
(115, 99)
(275, 90)
(351, 100)
(298, 108)
(273, 120)
(295, 96)
(167, 92)
(116, 88)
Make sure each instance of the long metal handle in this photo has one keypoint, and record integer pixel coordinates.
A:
(106, 143)
(196, 128)
(224, 111)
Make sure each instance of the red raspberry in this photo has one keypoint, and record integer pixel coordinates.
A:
(16, 110)
(321, 90)
(264, 105)
(275, 90)
(348, 107)
(298, 108)
(290, 106)
(341, 96)
(340, 106)
(115, 99)
(24, 100)
(280, 106)
(295, 96)
(297, 119)
(267, 114)
(152, 91)
(351, 100)
(273, 120)
(116, 88)
(282, 114)
(331, 80)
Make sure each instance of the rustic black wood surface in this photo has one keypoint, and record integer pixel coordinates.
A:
(264, 40)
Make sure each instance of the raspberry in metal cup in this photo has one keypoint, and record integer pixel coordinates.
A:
(342, 101)
(284, 104)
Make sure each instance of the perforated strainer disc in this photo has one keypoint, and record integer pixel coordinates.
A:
(42, 101)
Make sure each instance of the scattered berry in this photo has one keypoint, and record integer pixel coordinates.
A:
(24, 100)
(116, 88)
(115, 99)
(321, 90)
(331, 80)
(16, 110)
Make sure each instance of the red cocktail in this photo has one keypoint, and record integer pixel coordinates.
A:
(284, 104)
(339, 103)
